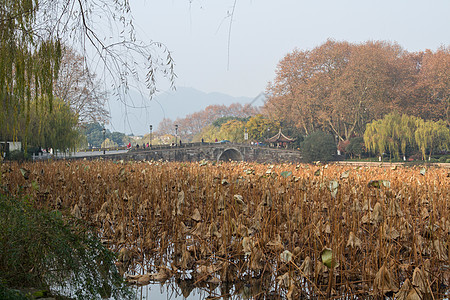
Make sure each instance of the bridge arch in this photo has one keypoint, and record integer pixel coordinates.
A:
(231, 154)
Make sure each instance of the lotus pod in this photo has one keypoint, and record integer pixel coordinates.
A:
(384, 281)
(320, 270)
(365, 219)
(353, 241)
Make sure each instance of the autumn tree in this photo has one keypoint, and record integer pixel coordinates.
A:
(33, 32)
(339, 87)
(434, 83)
(190, 127)
(80, 89)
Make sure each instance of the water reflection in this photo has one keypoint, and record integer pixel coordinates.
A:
(176, 289)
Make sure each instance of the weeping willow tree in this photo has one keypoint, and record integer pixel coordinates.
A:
(33, 34)
(432, 135)
(28, 64)
(393, 133)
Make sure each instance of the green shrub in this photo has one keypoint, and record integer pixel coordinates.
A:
(442, 159)
(448, 160)
(16, 155)
(42, 249)
(318, 146)
(355, 147)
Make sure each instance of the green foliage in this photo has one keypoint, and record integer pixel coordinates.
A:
(392, 134)
(46, 127)
(355, 147)
(261, 128)
(16, 155)
(318, 146)
(29, 65)
(43, 249)
(432, 136)
(94, 135)
(395, 134)
(220, 121)
(10, 294)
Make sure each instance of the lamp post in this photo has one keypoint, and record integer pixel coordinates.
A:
(151, 128)
(245, 134)
(176, 135)
(104, 132)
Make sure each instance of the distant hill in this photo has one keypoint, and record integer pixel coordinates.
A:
(140, 112)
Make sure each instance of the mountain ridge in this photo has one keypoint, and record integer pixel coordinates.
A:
(140, 112)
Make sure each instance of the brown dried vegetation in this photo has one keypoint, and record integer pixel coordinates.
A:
(384, 230)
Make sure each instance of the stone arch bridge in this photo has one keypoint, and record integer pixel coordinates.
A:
(213, 152)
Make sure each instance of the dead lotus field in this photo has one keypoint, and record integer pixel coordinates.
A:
(296, 231)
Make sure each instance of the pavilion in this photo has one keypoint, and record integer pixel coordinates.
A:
(280, 139)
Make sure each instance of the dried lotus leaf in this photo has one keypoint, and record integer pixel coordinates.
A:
(402, 294)
(306, 267)
(353, 241)
(420, 282)
(384, 281)
(196, 215)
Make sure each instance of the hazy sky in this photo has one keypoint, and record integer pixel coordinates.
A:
(264, 31)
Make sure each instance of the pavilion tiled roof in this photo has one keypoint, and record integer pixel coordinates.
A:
(279, 138)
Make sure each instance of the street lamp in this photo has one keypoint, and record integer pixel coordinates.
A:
(151, 128)
(245, 134)
(176, 135)
(104, 132)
